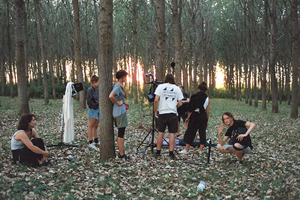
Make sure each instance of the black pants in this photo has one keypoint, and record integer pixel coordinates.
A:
(27, 156)
(198, 121)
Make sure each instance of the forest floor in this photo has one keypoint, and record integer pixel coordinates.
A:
(270, 172)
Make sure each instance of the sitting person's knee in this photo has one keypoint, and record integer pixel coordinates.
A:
(237, 146)
(219, 148)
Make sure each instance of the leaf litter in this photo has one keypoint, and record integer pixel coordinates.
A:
(270, 172)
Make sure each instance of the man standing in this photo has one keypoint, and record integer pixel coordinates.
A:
(169, 97)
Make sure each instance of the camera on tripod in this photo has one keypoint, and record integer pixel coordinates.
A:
(154, 83)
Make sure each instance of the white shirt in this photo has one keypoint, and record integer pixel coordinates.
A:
(169, 95)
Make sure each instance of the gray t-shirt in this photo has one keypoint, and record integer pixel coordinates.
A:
(120, 96)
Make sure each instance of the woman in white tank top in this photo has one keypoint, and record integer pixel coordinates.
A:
(26, 145)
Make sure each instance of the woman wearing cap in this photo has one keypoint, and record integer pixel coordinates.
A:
(92, 98)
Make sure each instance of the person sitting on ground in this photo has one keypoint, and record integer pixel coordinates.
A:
(240, 141)
(197, 118)
(26, 150)
(92, 98)
(183, 110)
(169, 97)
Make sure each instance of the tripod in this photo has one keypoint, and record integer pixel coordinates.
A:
(150, 136)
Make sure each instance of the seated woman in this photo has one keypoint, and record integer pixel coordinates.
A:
(24, 150)
(240, 141)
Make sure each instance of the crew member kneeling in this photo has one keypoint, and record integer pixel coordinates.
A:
(240, 141)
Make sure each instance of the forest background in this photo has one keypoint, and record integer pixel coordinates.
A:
(245, 50)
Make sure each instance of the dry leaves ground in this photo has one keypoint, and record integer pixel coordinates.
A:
(270, 172)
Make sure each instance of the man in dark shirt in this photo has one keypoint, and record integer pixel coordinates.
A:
(183, 110)
(240, 141)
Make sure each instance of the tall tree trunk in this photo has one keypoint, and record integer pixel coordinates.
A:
(2, 59)
(177, 39)
(107, 148)
(255, 87)
(134, 37)
(77, 52)
(51, 63)
(273, 59)
(20, 57)
(43, 50)
(26, 52)
(39, 77)
(9, 52)
(288, 84)
(295, 58)
(265, 61)
(161, 40)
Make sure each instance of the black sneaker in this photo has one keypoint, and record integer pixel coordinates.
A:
(157, 156)
(124, 156)
(172, 157)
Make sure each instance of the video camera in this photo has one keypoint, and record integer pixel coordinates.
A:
(154, 83)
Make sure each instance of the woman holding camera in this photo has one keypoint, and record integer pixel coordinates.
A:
(239, 135)
(117, 96)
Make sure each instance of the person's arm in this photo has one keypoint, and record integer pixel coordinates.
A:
(207, 109)
(113, 99)
(222, 141)
(35, 134)
(188, 117)
(156, 104)
(179, 103)
(250, 127)
(89, 97)
(24, 138)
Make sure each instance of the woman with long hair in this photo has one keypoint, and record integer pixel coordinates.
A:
(26, 145)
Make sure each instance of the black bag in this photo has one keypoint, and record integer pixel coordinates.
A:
(245, 142)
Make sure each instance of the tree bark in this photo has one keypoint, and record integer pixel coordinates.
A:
(265, 61)
(295, 58)
(161, 40)
(177, 39)
(134, 37)
(43, 50)
(77, 52)
(273, 56)
(107, 148)
(20, 57)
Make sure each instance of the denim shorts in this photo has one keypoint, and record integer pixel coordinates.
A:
(94, 113)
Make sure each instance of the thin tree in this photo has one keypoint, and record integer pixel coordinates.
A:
(107, 148)
(161, 39)
(43, 50)
(295, 58)
(20, 56)
(273, 56)
(77, 50)
(177, 32)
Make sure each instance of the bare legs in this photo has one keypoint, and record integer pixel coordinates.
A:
(171, 141)
(239, 154)
(92, 129)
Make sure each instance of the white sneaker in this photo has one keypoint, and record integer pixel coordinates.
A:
(92, 145)
(183, 152)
